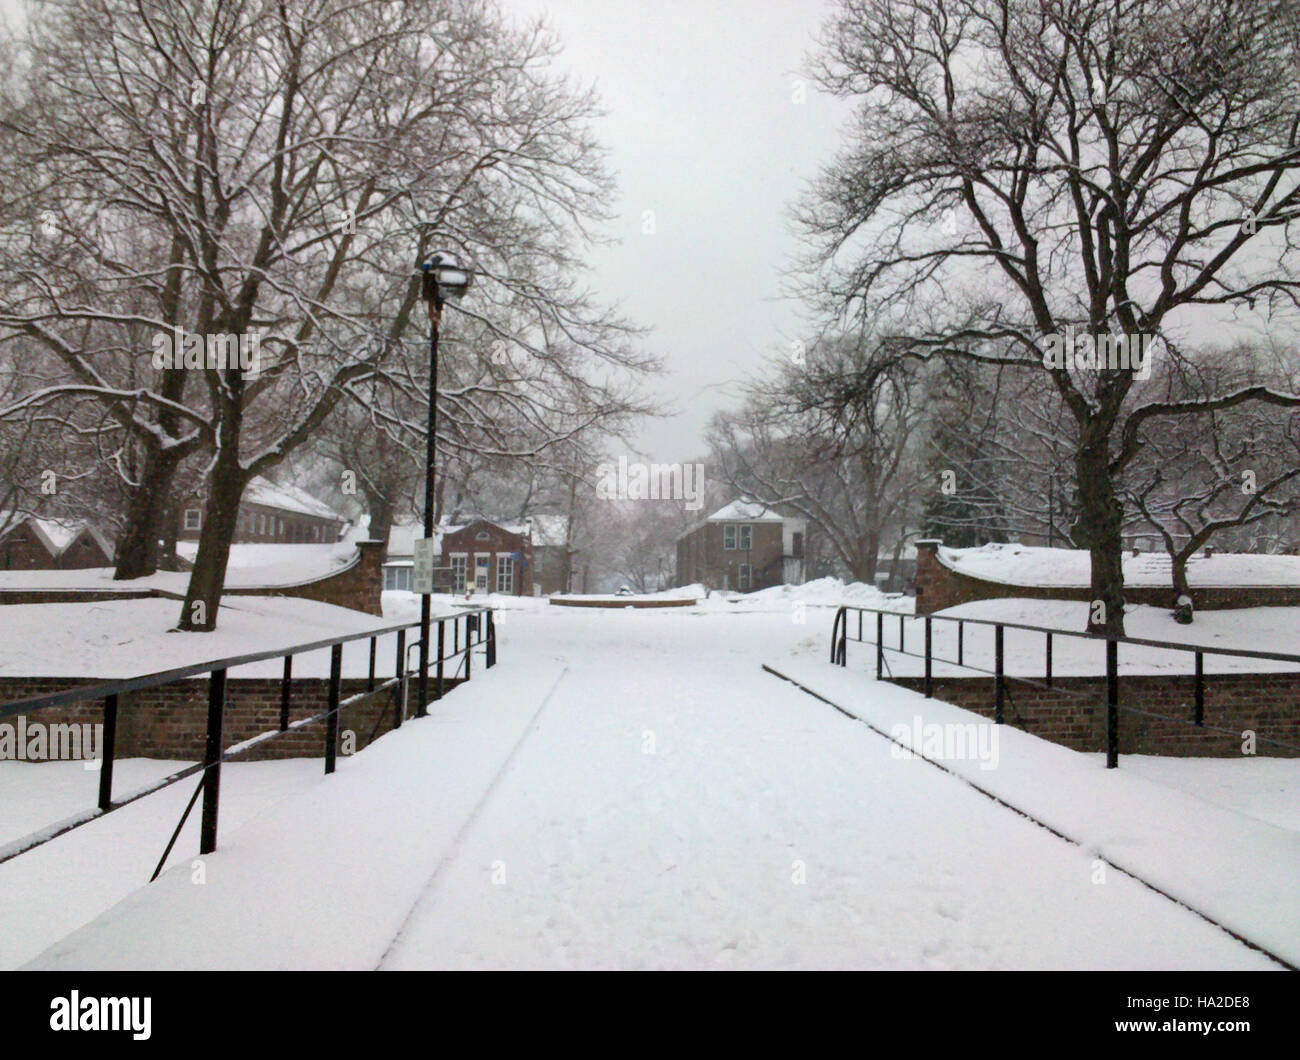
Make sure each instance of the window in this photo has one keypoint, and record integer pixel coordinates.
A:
(482, 535)
(261, 523)
(729, 537)
(193, 518)
(397, 579)
(505, 574)
(458, 564)
(746, 538)
(746, 573)
(315, 532)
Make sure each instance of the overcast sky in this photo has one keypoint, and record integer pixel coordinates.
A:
(703, 131)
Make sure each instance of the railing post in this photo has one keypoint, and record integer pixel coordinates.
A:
(422, 707)
(846, 623)
(902, 638)
(286, 684)
(212, 761)
(438, 688)
(880, 645)
(999, 690)
(370, 681)
(469, 643)
(106, 750)
(399, 671)
(491, 641)
(1200, 689)
(1112, 704)
(332, 721)
(1049, 660)
(929, 683)
(961, 629)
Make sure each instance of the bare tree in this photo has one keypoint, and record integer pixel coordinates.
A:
(1021, 168)
(276, 170)
(1203, 474)
(835, 440)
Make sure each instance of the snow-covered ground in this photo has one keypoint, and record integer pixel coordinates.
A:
(1263, 629)
(630, 789)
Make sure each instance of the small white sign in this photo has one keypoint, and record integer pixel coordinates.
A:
(422, 567)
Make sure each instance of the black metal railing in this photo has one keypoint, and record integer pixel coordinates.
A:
(479, 631)
(839, 655)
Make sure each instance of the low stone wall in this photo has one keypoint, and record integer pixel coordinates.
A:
(359, 586)
(1266, 704)
(171, 721)
(938, 587)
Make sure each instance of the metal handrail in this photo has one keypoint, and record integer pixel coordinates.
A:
(179, 673)
(215, 754)
(839, 651)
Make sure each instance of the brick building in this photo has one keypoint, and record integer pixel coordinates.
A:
(743, 546)
(46, 544)
(489, 557)
(272, 514)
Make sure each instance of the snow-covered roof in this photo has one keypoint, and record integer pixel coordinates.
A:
(288, 498)
(1029, 565)
(745, 511)
(57, 534)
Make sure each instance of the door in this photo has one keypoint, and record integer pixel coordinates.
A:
(481, 571)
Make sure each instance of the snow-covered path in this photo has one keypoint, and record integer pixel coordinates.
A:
(672, 806)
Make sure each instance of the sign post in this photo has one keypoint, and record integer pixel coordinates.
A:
(422, 566)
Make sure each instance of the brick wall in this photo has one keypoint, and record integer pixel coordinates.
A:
(171, 721)
(1268, 704)
(360, 586)
(938, 587)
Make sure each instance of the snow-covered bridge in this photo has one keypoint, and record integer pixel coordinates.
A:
(630, 789)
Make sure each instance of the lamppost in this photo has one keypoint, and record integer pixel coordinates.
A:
(442, 278)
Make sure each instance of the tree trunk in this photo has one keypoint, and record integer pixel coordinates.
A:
(137, 550)
(208, 579)
(1181, 587)
(1099, 531)
(380, 510)
(168, 560)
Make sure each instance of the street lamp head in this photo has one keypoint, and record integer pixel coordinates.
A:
(444, 278)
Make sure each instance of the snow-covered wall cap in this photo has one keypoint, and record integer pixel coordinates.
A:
(1030, 565)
